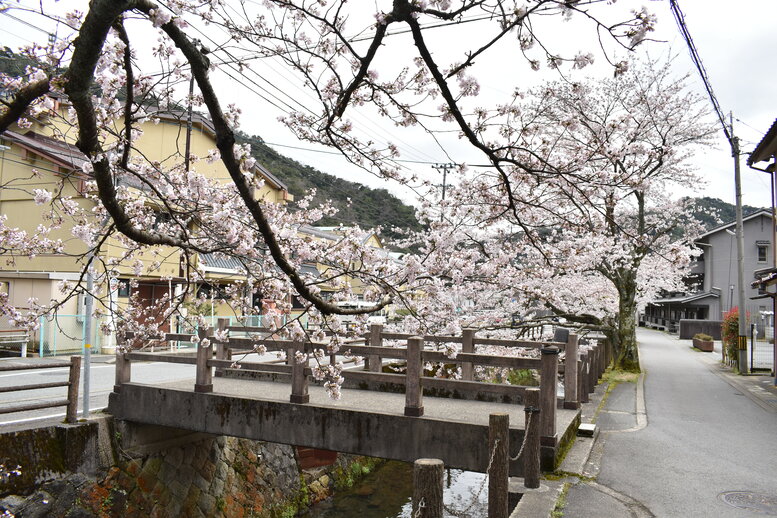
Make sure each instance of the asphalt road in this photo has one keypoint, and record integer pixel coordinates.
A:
(702, 438)
(101, 384)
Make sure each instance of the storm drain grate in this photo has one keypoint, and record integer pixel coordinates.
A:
(751, 501)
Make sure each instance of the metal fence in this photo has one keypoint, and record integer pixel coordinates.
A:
(64, 334)
(761, 355)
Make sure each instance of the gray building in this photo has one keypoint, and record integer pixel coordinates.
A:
(714, 276)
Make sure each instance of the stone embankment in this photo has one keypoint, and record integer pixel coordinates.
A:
(198, 476)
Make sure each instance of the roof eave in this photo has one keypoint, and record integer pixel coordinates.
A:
(766, 148)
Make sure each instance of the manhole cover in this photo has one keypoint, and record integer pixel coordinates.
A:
(751, 501)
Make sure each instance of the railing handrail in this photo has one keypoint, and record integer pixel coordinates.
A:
(27, 366)
(72, 384)
(581, 372)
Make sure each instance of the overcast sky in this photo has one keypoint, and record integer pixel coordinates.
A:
(735, 40)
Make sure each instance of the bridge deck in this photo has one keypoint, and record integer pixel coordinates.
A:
(362, 422)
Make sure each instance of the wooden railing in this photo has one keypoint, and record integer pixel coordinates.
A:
(71, 383)
(578, 381)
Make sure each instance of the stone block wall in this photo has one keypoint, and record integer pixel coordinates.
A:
(211, 477)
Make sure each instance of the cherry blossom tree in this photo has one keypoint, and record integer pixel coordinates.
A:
(337, 50)
(602, 235)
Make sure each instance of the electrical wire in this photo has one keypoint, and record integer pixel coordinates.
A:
(680, 19)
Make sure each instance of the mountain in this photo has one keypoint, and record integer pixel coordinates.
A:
(357, 204)
(713, 212)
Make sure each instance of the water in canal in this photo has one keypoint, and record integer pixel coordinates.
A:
(386, 492)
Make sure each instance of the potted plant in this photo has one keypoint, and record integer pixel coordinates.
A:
(703, 342)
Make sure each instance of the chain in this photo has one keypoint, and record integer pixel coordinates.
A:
(529, 412)
(476, 496)
(420, 508)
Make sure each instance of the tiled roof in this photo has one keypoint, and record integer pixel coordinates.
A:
(59, 152)
(220, 261)
(687, 298)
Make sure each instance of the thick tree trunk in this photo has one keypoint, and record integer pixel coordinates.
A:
(627, 354)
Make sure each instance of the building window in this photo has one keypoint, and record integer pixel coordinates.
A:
(124, 288)
(762, 253)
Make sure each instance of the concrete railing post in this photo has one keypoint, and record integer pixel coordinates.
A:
(123, 369)
(583, 382)
(499, 460)
(592, 368)
(531, 449)
(428, 480)
(467, 346)
(221, 348)
(602, 359)
(299, 381)
(203, 381)
(548, 380)
(71, 415)
(414, 394)
(375, 362)
(571, 400)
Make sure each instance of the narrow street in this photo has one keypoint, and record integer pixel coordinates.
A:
(702, 437)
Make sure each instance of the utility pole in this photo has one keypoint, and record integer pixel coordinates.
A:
(187, 151)
(444, 168)
(728, 130)
(88, 304)
(188, 148)
(742, 335)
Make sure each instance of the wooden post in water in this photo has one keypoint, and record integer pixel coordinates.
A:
(221, 348)
(203, 381)
(499, 460)
(571, 400)
(71, 415)
(583, 387)
(299, 381)
(531, 448)
(548, 380)
(414, 393)
(375, 362)
(428, 480)
(467, 346)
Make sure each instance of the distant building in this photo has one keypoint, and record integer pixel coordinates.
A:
(714, 275)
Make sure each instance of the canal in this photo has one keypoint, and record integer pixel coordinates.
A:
(386, 493)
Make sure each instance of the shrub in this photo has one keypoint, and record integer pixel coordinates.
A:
(730, 332)
(703, 337)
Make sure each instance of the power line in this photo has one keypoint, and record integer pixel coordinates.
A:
(680, 19)
(325, 152)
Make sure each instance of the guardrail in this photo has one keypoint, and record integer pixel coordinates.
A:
(13, 337)
(578, 381)
(72, 384)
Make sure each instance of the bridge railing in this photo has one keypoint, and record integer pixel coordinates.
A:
(74, 376)
(579, 380)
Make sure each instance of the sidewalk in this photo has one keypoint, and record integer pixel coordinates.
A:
(655, 465)
(577, 490)
(759, 387)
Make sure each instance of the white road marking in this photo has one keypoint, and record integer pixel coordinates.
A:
(40, 418)
(38, 371)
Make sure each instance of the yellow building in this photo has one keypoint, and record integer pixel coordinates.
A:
(44, 157)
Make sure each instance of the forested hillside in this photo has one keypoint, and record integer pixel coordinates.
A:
(367, 208)
(713, 212)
